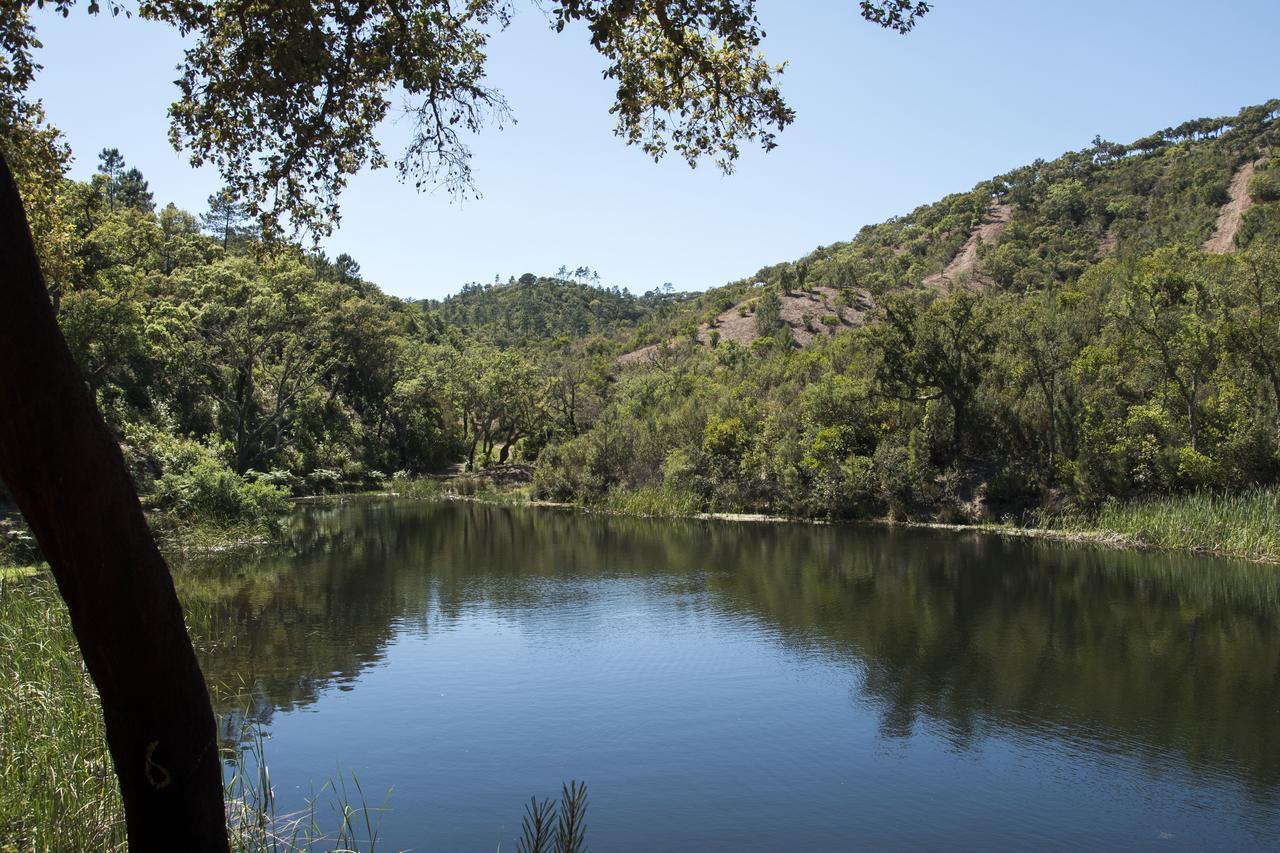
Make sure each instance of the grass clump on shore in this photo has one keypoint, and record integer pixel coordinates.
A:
(1246, 524)
(657, 501)
(465, 486)
(60, 792)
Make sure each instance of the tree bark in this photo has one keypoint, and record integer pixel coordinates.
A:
(68, 477)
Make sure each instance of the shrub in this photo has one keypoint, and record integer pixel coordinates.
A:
(209, 490)
(1197, 471)
(724, 438)
(680, 473)
(17, 546)
(325, 480)
(279, 478)
(1264, 187)
(570, 471)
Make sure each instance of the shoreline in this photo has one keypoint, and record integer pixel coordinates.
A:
(175, 544)
(1099, 538)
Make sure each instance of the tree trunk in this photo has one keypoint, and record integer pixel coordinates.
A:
(68, 477)
(505, 453)
(959, 417)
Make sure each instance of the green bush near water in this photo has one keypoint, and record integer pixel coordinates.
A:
(212, 491)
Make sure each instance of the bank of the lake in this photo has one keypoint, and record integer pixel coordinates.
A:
(60, 790)
(1243, 525)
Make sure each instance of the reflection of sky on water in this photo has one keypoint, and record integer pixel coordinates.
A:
(755, 687)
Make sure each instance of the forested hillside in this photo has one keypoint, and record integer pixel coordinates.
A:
(1106, 324)
(1103, 325)
(572, 304)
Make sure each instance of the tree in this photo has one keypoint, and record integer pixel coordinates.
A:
(1253, 320)
(283, 98)
(67, 475)
(1038, 351)
(124, 187)
(1167, 306)
(347, 269)
(938, 350)
(261, 362)
(110, 164)
(769, 315)
(226, 217)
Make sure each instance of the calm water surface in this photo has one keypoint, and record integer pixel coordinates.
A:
(753, 687)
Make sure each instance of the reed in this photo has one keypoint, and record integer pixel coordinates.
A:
(656, 501)
(1244, 524)
(59, 790)
(552, 826)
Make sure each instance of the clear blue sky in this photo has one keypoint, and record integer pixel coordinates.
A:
(885, 123)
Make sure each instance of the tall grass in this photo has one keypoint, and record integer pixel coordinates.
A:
(470, 487)
(652, 501)
(255, 826)
(417, 487)
(58, 791)
(1244, 525)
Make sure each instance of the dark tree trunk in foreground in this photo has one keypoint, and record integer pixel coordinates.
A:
(68, 477)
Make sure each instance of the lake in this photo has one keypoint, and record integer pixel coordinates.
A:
(751, 687)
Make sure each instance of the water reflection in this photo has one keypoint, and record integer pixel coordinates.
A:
(1150, 658)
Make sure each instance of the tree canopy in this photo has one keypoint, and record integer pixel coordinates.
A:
(284, 97)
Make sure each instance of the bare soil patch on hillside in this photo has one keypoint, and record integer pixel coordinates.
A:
(804, 312)
(1232, 213)
(965, 263)
(807, 313)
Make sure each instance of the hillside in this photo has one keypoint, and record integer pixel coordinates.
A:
(1101, 326)
(1038, 225)
(533, 308)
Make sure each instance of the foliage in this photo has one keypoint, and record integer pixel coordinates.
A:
(1093, 352)
(209, 490)
(283, 98)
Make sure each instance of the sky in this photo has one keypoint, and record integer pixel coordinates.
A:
(884, 123)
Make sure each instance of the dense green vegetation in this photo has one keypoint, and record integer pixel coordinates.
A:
(1091, 352)
(571, 305)
(235, 374)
